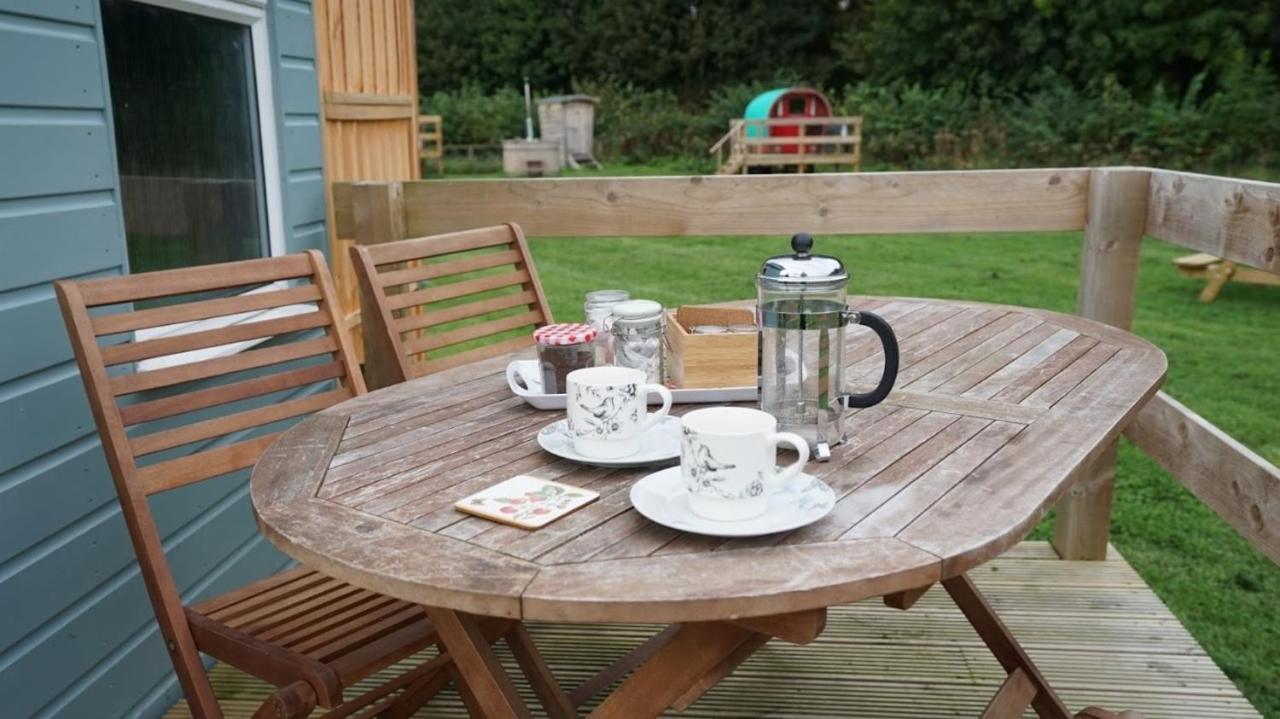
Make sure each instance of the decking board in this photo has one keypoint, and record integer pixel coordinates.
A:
(1097, 631)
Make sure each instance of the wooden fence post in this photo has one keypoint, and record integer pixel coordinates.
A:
(1114, 225)
(378, 208)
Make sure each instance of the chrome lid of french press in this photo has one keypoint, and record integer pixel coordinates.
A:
(802, 269)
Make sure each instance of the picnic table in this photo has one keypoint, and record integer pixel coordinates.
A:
(998, 409)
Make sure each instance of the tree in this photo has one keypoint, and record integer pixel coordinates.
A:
(1017, 46)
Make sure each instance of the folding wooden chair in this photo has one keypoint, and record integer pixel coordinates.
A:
(310, 635)
(424, 295)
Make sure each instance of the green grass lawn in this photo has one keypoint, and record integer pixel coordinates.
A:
(1222, 364)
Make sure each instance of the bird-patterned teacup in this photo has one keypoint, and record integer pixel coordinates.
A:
(607, 409)
(727, 459)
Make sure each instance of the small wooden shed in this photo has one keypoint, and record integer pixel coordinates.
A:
(570, 120)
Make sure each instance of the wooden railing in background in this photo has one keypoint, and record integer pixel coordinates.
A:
(820, 142)
(1234, 219)
(431, 140)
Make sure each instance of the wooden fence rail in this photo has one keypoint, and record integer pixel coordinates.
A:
(1116, 207)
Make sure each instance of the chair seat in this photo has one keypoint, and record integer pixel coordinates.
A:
(301, 624)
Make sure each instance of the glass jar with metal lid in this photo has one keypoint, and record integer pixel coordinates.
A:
(598, 308)
(638, 338)
(563, 348)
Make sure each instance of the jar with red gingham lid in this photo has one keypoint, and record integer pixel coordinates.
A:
(563, 348)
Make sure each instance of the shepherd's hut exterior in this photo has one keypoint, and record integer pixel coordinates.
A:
(136, 136)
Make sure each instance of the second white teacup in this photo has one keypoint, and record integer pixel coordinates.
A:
(728, 460)
(607, 410)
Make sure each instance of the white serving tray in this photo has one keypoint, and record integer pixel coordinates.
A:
(525, 379)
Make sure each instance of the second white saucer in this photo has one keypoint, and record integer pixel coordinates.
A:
(663, 498)
(660, 445)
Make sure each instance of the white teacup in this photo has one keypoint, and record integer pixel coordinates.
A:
(728, 460)
(607, 410)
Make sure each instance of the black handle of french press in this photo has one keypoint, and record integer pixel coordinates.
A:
(882, 329)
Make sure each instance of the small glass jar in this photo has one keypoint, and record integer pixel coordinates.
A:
(638, 338)
(563, 348)
(598, 308)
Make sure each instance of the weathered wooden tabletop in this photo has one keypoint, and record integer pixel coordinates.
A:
(997, 410)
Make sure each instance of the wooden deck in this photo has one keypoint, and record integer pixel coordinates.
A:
(1096, 630)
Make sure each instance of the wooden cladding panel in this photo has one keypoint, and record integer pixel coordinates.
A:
(369, 81)
(366, 46)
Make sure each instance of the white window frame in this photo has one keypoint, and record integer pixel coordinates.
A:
(251, 13)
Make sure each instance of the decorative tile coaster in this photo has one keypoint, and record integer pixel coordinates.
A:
(526, 502)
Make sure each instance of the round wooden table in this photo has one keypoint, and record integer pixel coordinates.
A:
(996, 411)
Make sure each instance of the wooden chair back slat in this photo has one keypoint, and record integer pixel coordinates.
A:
(471, 332)
(462, 312)
(201, 466)
(217, 427)
(194, 311)
(147, 349)
(458, 289)
(227, 393)
(408, 326)
(412, 275)
(421, 248)
(514, 344)
(204, 369)
(169, 283)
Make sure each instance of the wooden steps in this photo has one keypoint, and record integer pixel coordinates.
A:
(1096, 630)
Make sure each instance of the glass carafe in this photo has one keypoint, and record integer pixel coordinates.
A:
(802, 314)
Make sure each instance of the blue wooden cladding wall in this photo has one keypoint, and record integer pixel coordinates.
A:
(77, 638)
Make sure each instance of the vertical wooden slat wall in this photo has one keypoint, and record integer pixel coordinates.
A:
(368, 71)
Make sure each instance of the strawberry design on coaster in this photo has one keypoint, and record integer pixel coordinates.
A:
(526, 502)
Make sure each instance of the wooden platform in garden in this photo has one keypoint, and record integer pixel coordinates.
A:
(1096, 630)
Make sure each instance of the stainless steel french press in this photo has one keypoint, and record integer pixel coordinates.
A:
(802, 315)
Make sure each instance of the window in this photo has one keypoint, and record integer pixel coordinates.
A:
(194, 119)
(796, 106)
(189, 138)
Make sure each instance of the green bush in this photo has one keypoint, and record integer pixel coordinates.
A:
(1214, 123)
(472, 117)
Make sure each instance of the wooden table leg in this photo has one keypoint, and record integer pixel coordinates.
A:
(535, 669)
(740, 654)
(484, 677)
(1007, 651)
(906, 599)
(622, 666)
(419, 692)
(696, 649)
(689, 659)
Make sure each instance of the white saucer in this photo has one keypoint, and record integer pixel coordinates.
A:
(659, 445)
(662, 498)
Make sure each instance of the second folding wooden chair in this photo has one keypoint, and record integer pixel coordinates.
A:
(432, 303)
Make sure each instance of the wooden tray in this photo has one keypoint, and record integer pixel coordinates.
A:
(524, 378)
